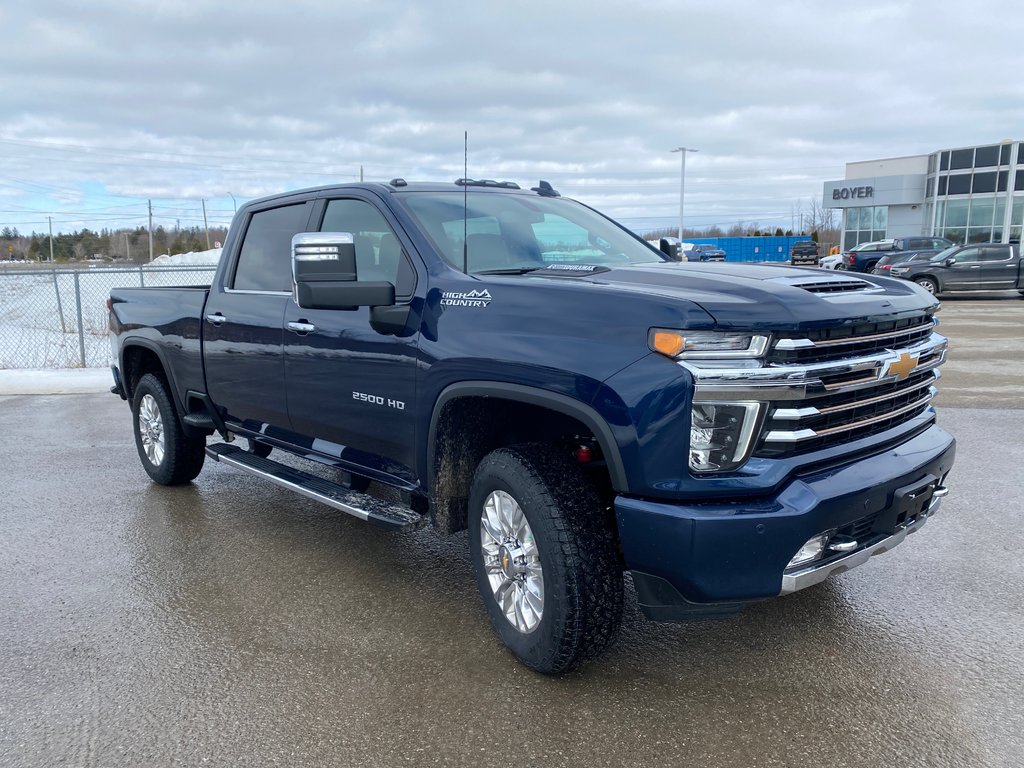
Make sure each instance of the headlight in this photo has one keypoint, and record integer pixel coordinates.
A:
(721, 435)
(705, 344)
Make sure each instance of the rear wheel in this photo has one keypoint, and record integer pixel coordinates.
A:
(168, 454)
(928, 284)
(544, 557)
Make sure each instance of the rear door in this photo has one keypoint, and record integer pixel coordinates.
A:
(998, 267)
(351, 388)
(243, 324)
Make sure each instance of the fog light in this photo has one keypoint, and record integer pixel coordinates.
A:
(811, 550)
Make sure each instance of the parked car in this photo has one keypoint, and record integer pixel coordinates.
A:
(804, 252)
(704, 252)
(975, 267)
(864, 257)
(834, 261)
(886, 263)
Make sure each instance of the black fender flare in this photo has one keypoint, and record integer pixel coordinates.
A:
(534, 396)
(138, 341)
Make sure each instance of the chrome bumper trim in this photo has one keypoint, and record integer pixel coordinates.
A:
(793, 582)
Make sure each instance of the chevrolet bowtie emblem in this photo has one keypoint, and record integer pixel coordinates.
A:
(902, 367)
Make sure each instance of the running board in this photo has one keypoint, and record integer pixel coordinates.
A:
(361, 505)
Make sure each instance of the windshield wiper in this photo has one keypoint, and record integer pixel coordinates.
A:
(512, 271)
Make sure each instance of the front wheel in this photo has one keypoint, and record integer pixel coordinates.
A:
(544, 557)
(168, 454)
(928, 284)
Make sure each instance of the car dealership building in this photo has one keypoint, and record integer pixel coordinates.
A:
(969, 195)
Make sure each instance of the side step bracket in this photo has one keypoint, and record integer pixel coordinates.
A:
(361, 505)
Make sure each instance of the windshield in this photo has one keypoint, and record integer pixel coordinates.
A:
(942, 255)
(521, 232)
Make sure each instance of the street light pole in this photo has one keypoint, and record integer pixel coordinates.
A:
(233, 201)
(682, 182)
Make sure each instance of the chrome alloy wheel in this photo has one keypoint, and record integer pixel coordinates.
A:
(512, 561)
(151, 430)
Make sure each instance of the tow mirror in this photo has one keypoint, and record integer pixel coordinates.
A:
(671, 247)
(326, 277)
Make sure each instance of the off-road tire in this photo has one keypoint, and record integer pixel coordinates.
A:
(183, 455)
(575, 535)
(928, 284)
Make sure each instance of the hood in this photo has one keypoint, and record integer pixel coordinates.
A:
(765, 297)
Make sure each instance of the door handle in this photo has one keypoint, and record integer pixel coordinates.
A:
(216, 319)
(301, 327)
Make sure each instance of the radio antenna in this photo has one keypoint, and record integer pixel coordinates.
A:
(465, 202)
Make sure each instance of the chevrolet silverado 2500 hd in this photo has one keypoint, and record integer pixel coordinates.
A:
(513, 362)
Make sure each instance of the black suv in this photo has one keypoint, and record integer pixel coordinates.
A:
(804, 252)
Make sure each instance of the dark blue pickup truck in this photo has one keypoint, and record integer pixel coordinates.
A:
(513, 363)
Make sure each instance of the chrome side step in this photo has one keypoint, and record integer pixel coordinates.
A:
(361, 505)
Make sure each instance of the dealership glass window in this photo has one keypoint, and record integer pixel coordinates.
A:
(865, 224)
(1001, 184)
(981, 212)
(984, 182)
(956, 213)
(986, 157)
(931, 163)
(1004, 154)
(929, 189)
(943, 181)
(1018, 183)
(960, 184)
(944, 165)
(961, 158)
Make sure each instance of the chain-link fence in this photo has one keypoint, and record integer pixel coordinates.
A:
(57, 318)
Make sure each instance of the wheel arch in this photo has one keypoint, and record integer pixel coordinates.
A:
(448, 462)
(139, 357)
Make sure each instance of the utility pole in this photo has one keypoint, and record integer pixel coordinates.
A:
(206, 225)
(360, 173)
(127, 248)
(682, 183)
(150, 229)
(50, 219)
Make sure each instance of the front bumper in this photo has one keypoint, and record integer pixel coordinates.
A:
(718, 557)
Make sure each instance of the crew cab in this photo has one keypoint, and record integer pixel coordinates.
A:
(508, 361)
(976, 267)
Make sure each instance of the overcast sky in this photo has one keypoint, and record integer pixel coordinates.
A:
(105, 104)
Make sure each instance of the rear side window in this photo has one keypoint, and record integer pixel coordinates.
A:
(995, 253)
(264, 263)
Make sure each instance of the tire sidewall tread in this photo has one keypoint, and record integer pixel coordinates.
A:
(183, 455)
(583, 587)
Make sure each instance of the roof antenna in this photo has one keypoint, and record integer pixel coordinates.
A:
(465, 202)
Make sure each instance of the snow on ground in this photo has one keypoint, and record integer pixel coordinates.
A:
(69, 381)
(39, 309)
(196, 257)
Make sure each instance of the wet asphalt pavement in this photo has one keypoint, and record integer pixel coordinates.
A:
(231, 623)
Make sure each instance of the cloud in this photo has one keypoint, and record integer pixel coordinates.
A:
(176, 100)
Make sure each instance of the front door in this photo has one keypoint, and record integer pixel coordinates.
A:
(965, 273)
(351, 389)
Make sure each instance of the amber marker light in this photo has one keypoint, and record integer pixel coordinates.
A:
(669, 343)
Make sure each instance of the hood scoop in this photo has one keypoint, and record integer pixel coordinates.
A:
(832, 285)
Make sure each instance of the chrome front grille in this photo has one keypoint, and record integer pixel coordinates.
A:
(832, 387)
(837, 343)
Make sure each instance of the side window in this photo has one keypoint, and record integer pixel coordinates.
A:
(264, 263)
(967, 254)
(995, 253)
(378, 252)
